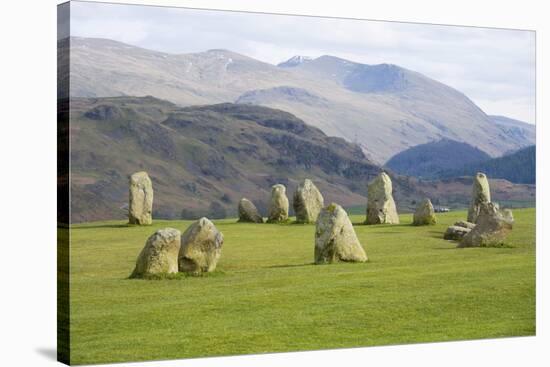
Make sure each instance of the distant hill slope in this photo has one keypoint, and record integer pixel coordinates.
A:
(431, 159)
(203, 159)
(518, 167)
(383, 108)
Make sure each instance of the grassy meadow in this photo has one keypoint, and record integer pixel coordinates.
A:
(267, 296)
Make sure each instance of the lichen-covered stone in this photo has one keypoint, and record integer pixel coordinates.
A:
(455, 233)
(481, 194)
(201, 247)
(424, 214)
(335, 238)
(248, 212)
(278, 205)
(381, 207)
(140, 206)
(307, 202)
(160, 254)
(492, 227)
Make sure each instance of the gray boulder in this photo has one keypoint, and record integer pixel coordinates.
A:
(248, 212)
(160, 254)
(455, 233)
(380, 204)
(278, 205)
(201, 247)
(424, 214)
(307, 202)
(335, 238)
(481, 194)
(492, 227)
(140, 206)
(465, 224)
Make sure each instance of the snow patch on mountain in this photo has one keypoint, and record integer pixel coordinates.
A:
(294, 61)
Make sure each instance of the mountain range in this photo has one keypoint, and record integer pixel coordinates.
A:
(384, 108)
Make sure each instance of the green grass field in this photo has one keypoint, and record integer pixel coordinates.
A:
(267, 296)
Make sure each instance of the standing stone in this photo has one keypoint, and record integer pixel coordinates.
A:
(335, 238)
(380, 204)
(492, 227)
(278, 206)
(140, 207)
(248, 212)
(480, 194)
(424, 214)
(201, 247)
(307, 202)
(160, 254)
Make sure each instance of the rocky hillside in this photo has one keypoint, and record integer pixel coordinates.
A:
(203, 159)
(431, 159)
(385, 109)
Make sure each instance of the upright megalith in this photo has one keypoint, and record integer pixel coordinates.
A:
(424, 214)
(201, 247)
(160, 254)
(335, 238)
(248, 212)
(481, 194)
(307, 202)
(140, 206)
(492, 227)
(380, 204)
(278, 205)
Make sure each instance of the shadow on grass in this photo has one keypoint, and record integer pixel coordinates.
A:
(456, 246)
(288, 266)
(176, 276)
(98, 226)
(384, 225)
(436, 234)
(387, 232)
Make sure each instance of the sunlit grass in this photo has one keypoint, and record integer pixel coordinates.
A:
(267, 296)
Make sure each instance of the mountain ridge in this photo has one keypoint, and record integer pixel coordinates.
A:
(405, 108)
(203, 159)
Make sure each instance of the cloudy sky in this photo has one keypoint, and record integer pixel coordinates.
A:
(494, 67)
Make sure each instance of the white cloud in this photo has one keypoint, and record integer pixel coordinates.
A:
(494, 67)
